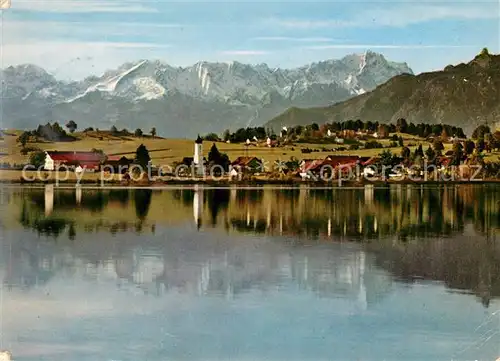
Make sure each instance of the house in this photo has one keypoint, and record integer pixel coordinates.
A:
(118, 163)
(249, 164)
(86, 160)
(369, 166)
(323, 167)
(189, 161)
(308, 166)
(337, 160)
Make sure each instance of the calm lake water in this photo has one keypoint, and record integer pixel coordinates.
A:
(400, 273)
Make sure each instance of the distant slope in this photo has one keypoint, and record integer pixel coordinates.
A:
(463, 95)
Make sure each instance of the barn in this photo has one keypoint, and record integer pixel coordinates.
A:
(86, 160)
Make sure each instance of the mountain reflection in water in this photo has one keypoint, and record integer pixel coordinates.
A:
(358, 246)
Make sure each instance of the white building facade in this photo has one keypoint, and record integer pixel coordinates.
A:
(198, 157)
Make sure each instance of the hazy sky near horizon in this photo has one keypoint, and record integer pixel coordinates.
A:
(76, 38)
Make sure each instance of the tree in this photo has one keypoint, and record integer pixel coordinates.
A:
(211, 137)
(402, 125)
(217, 158)
(419, 152)
(401, 141)
(214, 153)
(480, 131)
(457, 153)
(37, 159)
(72, 126)
(437, 129)
(56, 127)
(430, 154)
(484, 52)
(386, 161)
(495, 141)
(386, 158)
(153, 132)
(24, 138)
(480, 145)
(142, 157)
(438, 146)
(444, 134)
(406, 153)
(469, 147)
(358, 124)
(114, 130)
(460, 133)
(226, 135)
(138, 132)
(314, 127)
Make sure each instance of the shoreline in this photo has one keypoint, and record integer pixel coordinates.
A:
(254, 182)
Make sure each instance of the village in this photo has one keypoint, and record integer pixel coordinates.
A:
(347, 151)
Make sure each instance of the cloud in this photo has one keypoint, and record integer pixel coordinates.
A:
(77, 60)
(386, 46)
(310, 24)
(20, 30)
(292, 39)
(81, 6)
(244, 52)
(397, 16)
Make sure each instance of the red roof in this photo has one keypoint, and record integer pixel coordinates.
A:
(243, 161)
(336, 160)
(445, 161)
(82, 157)
(371, 161)
(311, 164)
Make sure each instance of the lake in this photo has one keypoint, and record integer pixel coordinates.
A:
(395, 273)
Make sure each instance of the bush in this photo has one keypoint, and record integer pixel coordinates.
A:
(373, 144)
(354, 147)
(28, 150)
(37, 159)
(211, 137)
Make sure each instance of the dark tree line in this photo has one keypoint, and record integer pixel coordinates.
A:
(50, 132)
(422, 130)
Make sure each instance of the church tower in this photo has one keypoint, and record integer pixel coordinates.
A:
(198, 156)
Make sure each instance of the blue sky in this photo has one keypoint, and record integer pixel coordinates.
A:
(76, 38)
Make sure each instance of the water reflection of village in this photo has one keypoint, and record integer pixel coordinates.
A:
(411, 232)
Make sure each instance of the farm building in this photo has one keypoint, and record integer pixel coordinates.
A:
(86, 160)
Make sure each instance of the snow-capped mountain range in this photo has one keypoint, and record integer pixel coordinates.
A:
(184, 101)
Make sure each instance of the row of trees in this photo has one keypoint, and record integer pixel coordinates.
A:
(423, 130)
(49, 132)
(460, 151)
(54, 132)
(137, 133)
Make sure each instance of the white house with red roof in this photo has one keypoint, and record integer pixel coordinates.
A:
(82, 160)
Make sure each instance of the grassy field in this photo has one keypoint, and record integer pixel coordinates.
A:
(167, 151)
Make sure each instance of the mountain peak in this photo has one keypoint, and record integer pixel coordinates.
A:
(463, 95)
(208, 96)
